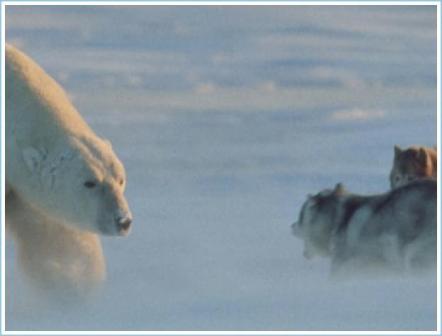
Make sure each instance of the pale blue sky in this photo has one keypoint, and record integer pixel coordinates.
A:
(226, 118)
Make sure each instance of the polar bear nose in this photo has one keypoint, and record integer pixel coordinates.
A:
(123, 224)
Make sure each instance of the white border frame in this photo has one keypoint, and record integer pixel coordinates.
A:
(3, 330)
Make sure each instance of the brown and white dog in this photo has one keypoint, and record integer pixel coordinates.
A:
(411, 164)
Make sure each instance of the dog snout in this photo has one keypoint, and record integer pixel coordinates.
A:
(124, 224)
(296, 229)
(307, 254)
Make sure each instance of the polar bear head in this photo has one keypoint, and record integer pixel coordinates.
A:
(81, 181)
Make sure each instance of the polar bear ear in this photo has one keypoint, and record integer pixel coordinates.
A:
(33, 158)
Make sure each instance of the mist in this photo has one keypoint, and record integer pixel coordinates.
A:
(225, 119)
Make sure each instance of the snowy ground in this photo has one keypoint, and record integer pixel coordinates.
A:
(225, 118)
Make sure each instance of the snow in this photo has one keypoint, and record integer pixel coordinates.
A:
(225, 119)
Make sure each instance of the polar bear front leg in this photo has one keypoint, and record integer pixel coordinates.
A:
(61, 262)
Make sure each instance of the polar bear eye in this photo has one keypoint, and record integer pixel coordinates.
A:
(90, 184)
(121, 182)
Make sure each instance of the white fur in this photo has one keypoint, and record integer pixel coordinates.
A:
(60, 261)
(50, 154)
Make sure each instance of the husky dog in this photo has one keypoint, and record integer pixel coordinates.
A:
(411, 164)
(395, 230)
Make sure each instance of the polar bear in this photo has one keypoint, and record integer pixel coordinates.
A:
(64, 184)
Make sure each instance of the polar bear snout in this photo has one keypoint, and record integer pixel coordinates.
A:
(123, 224)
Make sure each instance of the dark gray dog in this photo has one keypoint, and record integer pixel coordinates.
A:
(396, 230)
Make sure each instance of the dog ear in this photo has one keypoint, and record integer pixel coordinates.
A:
(339, 189)
(397, 150)
(422, 156)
